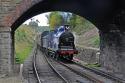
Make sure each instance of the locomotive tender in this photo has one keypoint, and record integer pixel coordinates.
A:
(59, 43)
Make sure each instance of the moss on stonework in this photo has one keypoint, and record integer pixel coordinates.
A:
(95, 65)
(17, 1)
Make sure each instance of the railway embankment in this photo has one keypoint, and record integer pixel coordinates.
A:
(90, 57)
(88, 54)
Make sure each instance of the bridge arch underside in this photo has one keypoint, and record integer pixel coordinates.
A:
(105, 14)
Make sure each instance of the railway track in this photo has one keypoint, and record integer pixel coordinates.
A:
(69, 74)
(99, 72)
(35, 67)
(91, 74)
(78, 77)
(55, 70)
(45, 72)
(103, 77)
(93, 79)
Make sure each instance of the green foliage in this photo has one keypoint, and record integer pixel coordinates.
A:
(34, 24)
(79, 24)
(24, 39)
(22, 54)
(72, 21)
(24, 36)
(95, 65)
(17, 1)
(43, 28)
(94, 41)
(55, 19)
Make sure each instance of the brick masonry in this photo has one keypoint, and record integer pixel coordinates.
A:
(113, 51)
(13, 9)
(5, 51)
(10, 11)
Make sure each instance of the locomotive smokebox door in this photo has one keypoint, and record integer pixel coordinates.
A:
(67, 39)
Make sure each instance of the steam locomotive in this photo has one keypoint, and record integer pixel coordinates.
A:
(59, 43)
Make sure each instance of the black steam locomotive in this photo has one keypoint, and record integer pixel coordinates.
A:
(59, 43)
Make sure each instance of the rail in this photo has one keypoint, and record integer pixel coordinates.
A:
(65, 81)
(34, 65)
(102, 73)
(95, 80)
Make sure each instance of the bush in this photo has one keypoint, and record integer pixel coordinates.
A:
(23, 42)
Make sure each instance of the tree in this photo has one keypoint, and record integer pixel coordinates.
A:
(55, 19)
(34, 24)
(72, 21)
(60, 18)
(66, 16)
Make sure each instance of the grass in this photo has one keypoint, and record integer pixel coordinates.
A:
(23, 42)
(81, 29)
(22, 52)
(94, 41)
(94, 65)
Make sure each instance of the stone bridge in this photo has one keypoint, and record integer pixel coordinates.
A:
(107, 15)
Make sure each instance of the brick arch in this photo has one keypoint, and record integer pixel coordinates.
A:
(28, 8)
(20, 8)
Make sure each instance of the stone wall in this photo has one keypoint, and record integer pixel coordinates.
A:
(89, 55)
(5, 51)
(5, 7)
(113, 51)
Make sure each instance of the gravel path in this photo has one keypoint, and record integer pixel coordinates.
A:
(28, 75)
(15, 79)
